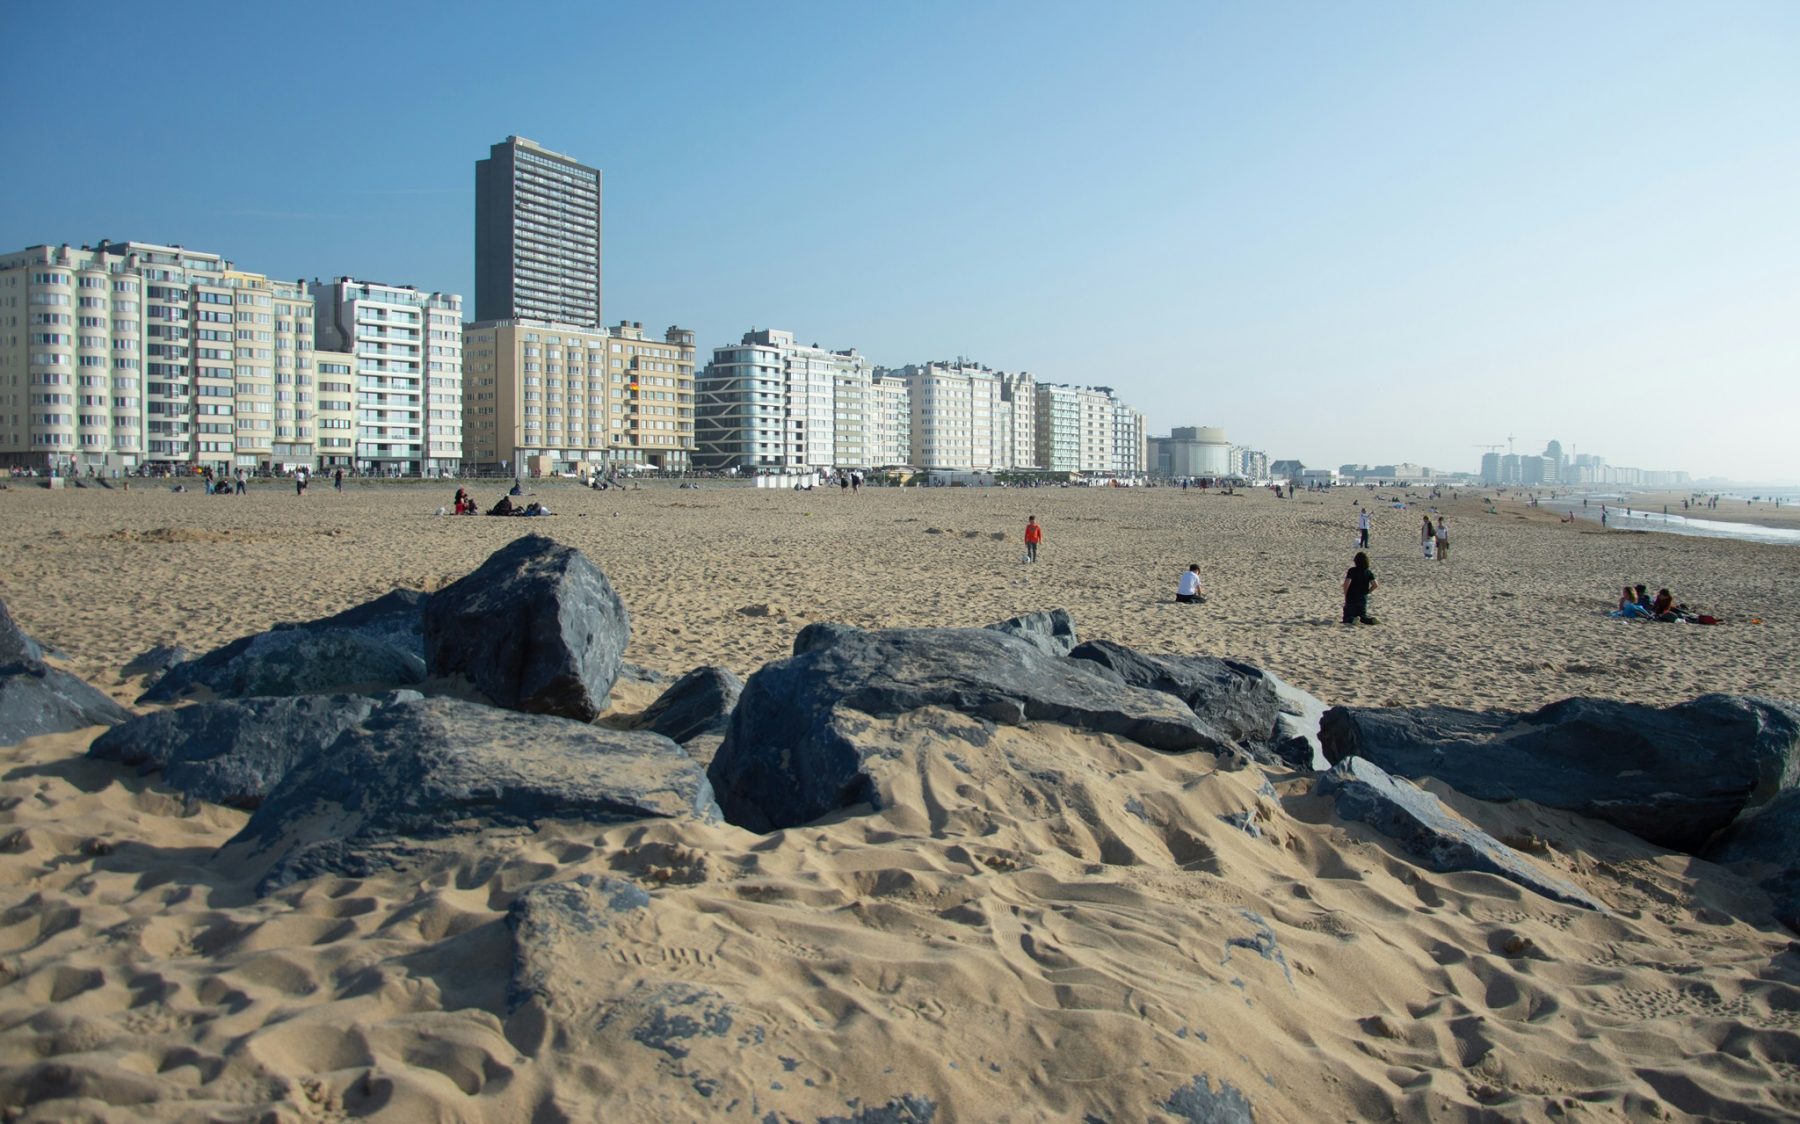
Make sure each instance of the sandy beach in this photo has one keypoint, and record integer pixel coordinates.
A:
(997, 956)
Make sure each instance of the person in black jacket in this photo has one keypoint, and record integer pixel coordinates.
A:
(1359, 582)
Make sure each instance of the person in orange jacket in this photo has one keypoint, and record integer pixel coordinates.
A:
(1034, 534)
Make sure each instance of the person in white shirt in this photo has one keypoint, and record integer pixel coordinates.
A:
(1362, 524)
(1187, 592)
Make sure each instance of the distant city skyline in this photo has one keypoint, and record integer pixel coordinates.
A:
(1348, 236)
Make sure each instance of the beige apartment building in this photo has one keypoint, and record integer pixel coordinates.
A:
(544, 397)
(131, 354)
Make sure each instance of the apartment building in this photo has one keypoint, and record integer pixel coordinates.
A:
(545, 397)
(1018, 392)
(407, 372)
(770, 402)
(1058, 433)
(890, 421)
(1130, 440)
(537, 236)
(956, 418)
(130, 354)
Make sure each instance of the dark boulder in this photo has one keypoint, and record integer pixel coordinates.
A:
(1768, 841)
(371, 647)
(1674, 776)
(234, 751)
(36, 698)
(155, 662)
(1419, 823)
(791, 753)
(1234, 698)
(821, 634)
(16, 648)
(1053, 631)
(700, 702)
(537, 628)
(423, 770)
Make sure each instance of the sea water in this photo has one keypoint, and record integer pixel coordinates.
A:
(1641, 520)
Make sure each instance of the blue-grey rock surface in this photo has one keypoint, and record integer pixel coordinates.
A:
(234, 751)
(790, 754)
(698, 703)
(1198, 1102)
(1674, 776)
(1424, 829)
(1233, 698)
(16, 647)
(559, 928)
(1052, 630)
(371, 647)
(1769, 838)
(416, 771)
(37, 699)
(155, 662)
(537, 627)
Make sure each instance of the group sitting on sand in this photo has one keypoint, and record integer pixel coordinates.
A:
(507, 507)
(1637, 604)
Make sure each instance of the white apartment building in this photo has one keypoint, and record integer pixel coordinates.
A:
(1096, 405)
(1087, 429)
(890, 413)
(137, 354)
(1018, 392)
(1130, 441)
(769, 402)
(407, 349)
(955, 415)
(852, 417)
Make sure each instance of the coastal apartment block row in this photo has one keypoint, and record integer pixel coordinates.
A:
(125, 355)
(130, 355)
(770, 403)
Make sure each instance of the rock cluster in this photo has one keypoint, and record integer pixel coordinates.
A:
(317, 728)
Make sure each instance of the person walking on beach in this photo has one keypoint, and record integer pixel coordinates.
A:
(300, 481)
(1443, 541)
(1359, 582)
(1034, 534)
(1428, 537)
(1362, 524)
(337, 480)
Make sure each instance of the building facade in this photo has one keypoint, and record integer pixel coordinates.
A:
(407, 377)
(1058, 425)
(769, 402)
(957, 423)
(130, 355)
(890, 409)
(537, 236)
(544, 397)
(1018, 391)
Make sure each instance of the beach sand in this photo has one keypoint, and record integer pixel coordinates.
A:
(1086, 936)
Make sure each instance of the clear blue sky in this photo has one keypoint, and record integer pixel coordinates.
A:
(1344, 232)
